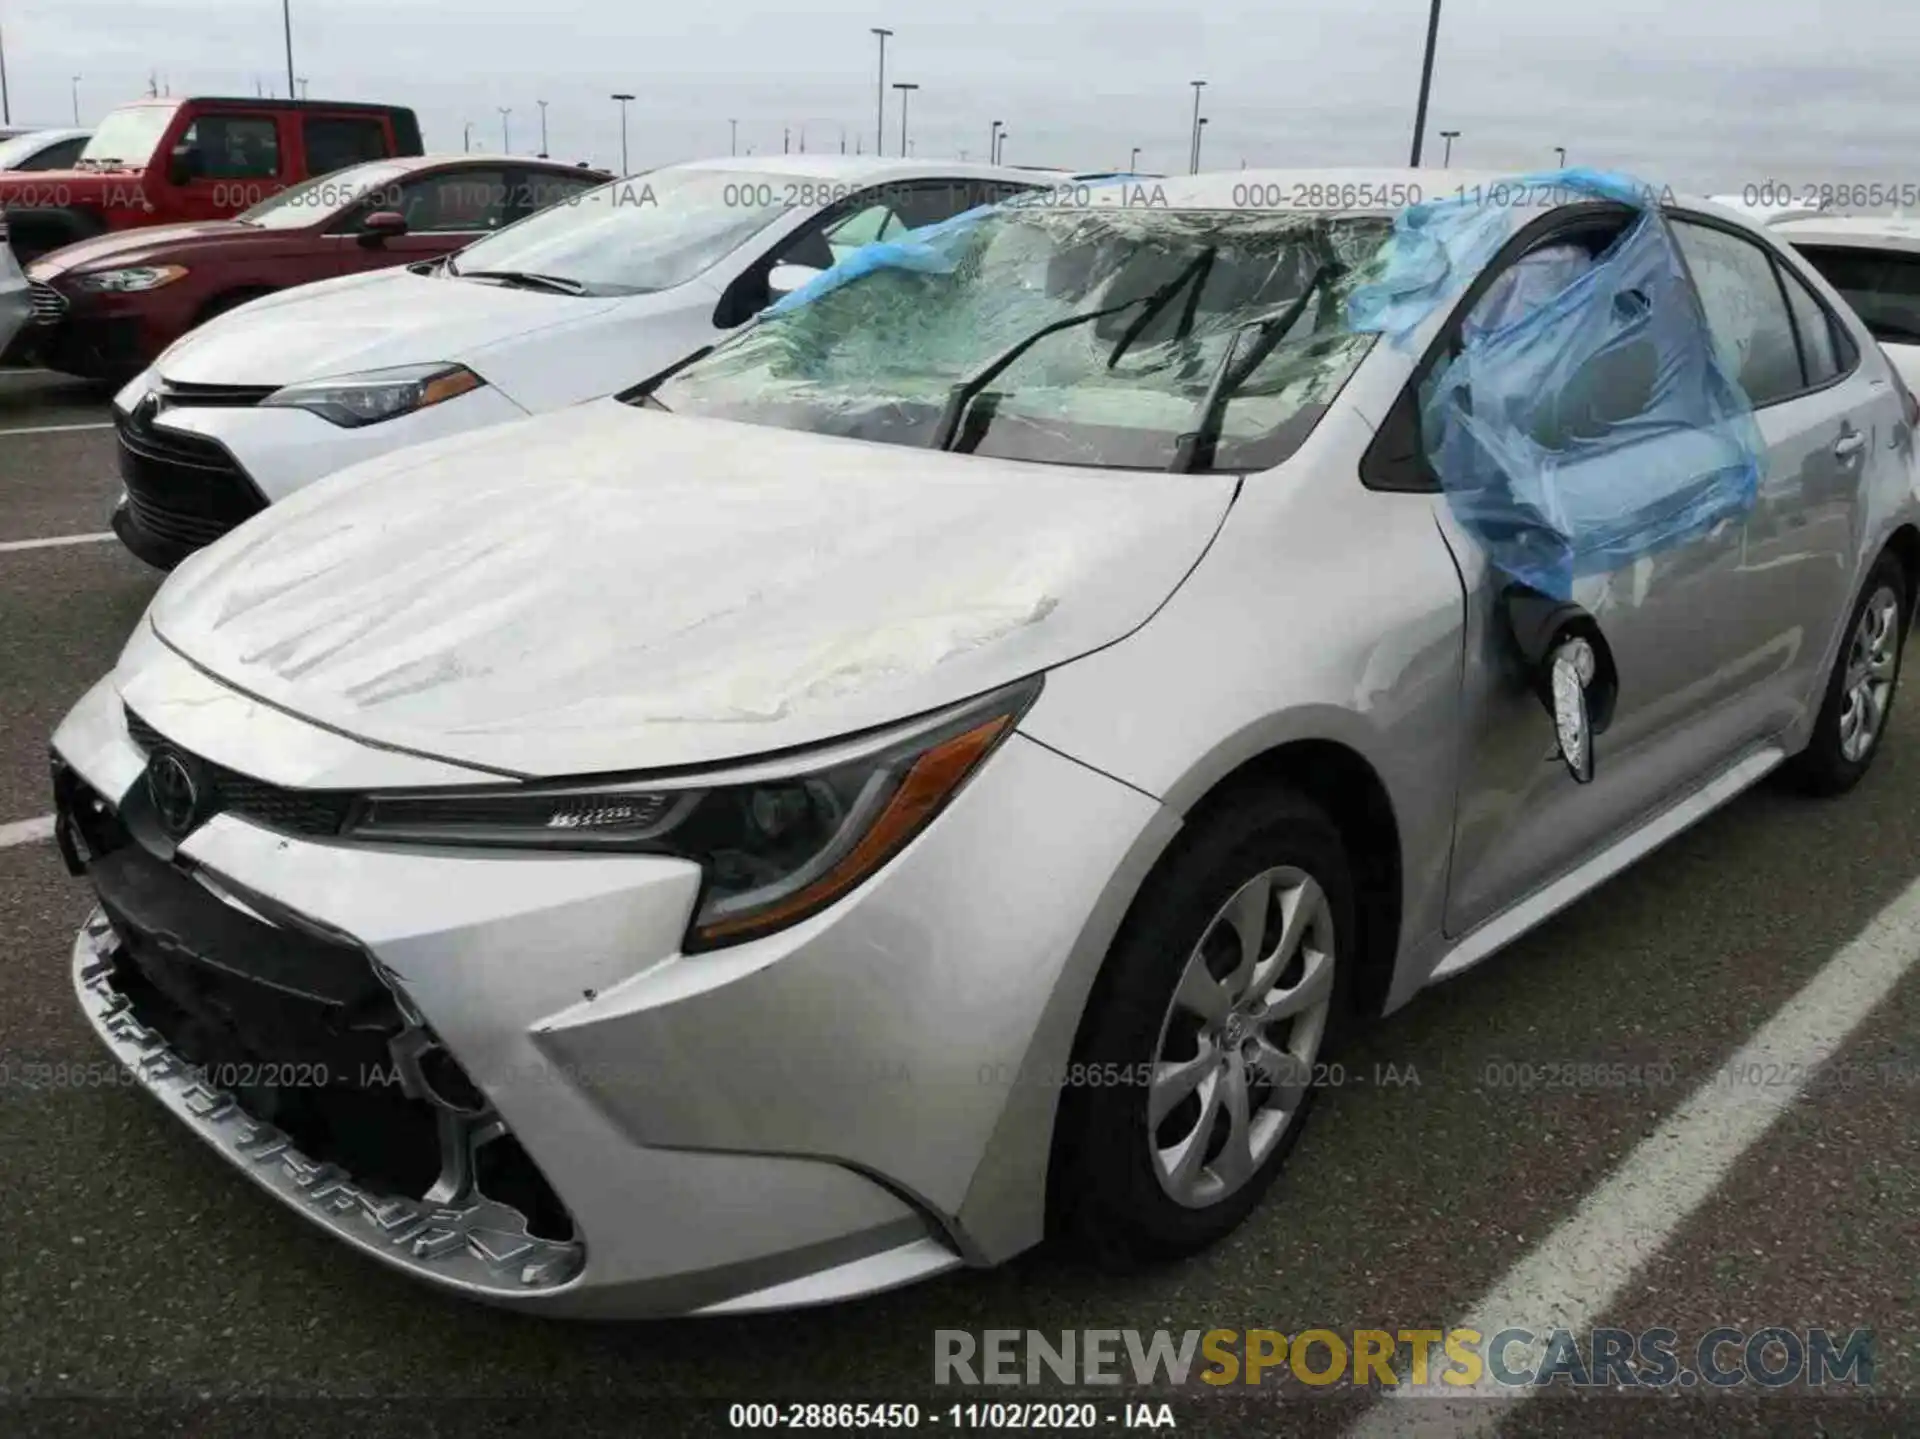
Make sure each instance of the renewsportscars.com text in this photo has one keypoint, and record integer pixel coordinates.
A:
(1510, 1358)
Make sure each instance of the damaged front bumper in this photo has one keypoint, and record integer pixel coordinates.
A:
(497, 1071)
(462, 1237)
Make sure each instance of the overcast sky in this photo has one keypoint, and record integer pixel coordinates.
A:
(1715, 94)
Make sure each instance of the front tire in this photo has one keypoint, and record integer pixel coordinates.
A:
(1859, 696)
(1222, 990)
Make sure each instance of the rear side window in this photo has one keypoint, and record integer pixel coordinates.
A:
(335, 142)
(1883, 286)
(1819, 342)
(1746, 311)
(234, 147)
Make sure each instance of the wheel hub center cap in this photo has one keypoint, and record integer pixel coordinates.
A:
(1236, 1031)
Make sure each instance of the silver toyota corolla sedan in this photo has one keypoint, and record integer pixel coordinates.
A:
(946, 766)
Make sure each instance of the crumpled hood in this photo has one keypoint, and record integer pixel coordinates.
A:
(607, 588)
(363, 322)
(137, 246)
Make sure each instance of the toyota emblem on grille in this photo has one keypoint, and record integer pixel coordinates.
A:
(175, 798)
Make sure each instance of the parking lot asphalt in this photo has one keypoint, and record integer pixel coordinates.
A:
(140, 1269)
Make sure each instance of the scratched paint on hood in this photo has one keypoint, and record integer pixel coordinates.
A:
(608, 588)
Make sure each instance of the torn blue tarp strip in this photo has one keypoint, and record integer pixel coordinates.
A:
(1587, 420)
(929, 250)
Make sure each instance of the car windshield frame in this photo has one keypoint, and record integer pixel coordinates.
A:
(324, 198)
(596, 238)
(117, 133)
(881, 353)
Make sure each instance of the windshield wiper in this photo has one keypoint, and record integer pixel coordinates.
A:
(558, 284)
(1194, 450)
(967, 391)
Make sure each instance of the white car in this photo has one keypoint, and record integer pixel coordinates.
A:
(1873, 260)
(42, 149)
(579, 301)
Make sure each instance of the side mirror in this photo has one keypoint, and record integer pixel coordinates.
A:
(785, 279)
(1571, 669)
(183, 165)
(382, 225)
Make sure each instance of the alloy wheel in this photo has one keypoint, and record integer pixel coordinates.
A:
(1236, 1049)
(1873, 662)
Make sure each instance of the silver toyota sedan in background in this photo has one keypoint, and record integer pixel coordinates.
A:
(945, 767)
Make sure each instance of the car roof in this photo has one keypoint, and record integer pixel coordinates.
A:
(477, 157)
(858, 169)
(1862, 232)
(51, 134)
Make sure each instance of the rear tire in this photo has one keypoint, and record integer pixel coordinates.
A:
(1153, 1163)
(1859, 696)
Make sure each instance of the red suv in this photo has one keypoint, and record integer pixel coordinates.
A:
(105, 308)
(158, 161)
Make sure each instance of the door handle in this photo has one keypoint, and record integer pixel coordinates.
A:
(1849, 444)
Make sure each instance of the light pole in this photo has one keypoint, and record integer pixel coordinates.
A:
(1426, 83)
(6, 108)
(993, 142)
(543, 127)
(1133, 161)
(1561, 151)
(506, 136)
(906, 89)
(466, 137)
(623, 133)
(733, 144)
(76, 99)
(286, 25)
(1446, 156)
(1199, 133)
(1193, 140)
(303, 87)
(999, 156)
(880, 102)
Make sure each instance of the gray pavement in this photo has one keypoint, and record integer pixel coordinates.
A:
(140, 1269)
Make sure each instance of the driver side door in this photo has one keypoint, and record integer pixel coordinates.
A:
(1687, 705)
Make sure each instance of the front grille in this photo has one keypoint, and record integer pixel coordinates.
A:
(173, 393)
(291, 811)
(181, 487)
(304, 1034)
(49, 305)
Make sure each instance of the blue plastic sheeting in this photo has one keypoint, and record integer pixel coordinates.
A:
(928, 250)
(1438, 246)
(1597, 428)
(1586, 420)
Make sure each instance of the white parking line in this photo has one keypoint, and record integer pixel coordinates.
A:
(27, 831)
(57, 429)
(1569, 1279)
(54, 542)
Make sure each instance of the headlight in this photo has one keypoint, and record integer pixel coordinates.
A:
(136, 277)
(777, 842)
(376, 395)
